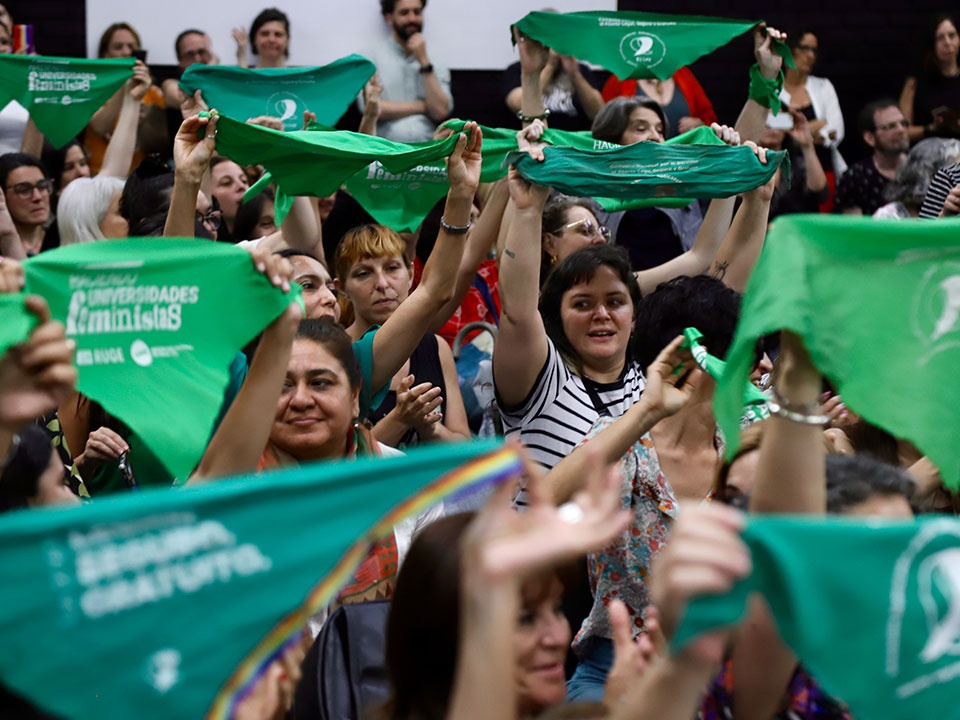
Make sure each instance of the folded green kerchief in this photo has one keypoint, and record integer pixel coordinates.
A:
(157, 322)
(877, 304)
(650, 170)
(870, 608)
(61, 94)
(636, 44)
(176, 599)
(281, 92)
(312, 163)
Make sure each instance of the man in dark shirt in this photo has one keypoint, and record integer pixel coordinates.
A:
(861, 189)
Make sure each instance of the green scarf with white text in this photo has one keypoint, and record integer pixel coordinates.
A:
(636, 44)
(869, 607)
(157, 322)
(173, 601)
(61, 94)
(877, 304)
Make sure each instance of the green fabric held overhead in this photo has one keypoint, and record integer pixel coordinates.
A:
(754, 401)
(171, 601)
(281, 92)
(870, 608)
(61, 94)
(400, 200)
(650, 170)
(877, 304)
(316, 164)
(636, 44)
(157, 322)
(16, 321)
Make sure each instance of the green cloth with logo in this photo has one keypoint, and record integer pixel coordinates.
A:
(754, 401)
(157, 323)
(869, 608)
(402, 200)
(283, 93)
(636, 44)
(877, 304)
(306, 162)
(61, 94)
(171, 602)
(650, 170)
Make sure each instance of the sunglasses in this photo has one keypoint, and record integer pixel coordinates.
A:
(586, 227)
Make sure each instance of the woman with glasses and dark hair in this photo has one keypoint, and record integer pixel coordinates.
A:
(816, 98)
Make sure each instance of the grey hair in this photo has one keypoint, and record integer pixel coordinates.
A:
(925, 158)
(614, 117)
(81, 207)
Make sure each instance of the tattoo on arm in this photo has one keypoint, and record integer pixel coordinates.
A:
(720, 269)
(509, 253)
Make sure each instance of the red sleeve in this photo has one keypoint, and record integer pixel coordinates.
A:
(615, 87)
(700, 105)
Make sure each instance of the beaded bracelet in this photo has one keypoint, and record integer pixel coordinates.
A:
(454, 229)
(805, 414)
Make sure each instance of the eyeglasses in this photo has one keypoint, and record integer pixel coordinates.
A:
(199, 54)
(904, 123)
(587, 228)
(808, 49)
(212, 219)
(25, 190)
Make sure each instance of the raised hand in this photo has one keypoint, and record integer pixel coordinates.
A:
(631, 657)
(534, 56)
(770, 62)
(37, 375)
(192, 153)
(705, 556)
(464, 163)
(664, 392)
(140, 83)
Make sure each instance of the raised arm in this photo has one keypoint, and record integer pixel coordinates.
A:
(371, 106)
(499, 551)
(589, 96)
(741, 248)
(191, 155)
(398, 337)
(521, 348)
(753, 116)
(238, 443)
(663, 396)
(480, 240)
(534, 66)
(119, 154)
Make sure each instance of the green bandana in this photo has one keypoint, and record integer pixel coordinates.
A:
(878, 306)
(870, 608)
(157, 322)
(400, 200)
(754, 401)
(650, 170)
(61, 94)
(635, 44)
(764, 91)
(16, 321)
(281, 92)
(171, 602)
(312, 163)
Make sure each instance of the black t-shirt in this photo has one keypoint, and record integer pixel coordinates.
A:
(935, 91)
(861, 186)
(649, 238)
(560, 98)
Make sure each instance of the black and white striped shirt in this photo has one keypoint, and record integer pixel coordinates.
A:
(942, 183)
(559, 412)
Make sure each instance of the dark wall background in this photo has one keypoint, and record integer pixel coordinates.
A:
(867, 47)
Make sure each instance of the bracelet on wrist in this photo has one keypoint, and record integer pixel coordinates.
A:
(802, 413)
(454, 229)
(530, 118)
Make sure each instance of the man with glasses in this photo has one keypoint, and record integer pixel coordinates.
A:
(26, 190)
(884, 129)
(192, 46)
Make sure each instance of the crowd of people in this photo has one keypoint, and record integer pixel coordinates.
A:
(512, 310)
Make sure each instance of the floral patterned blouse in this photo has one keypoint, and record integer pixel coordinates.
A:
(620, 570)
